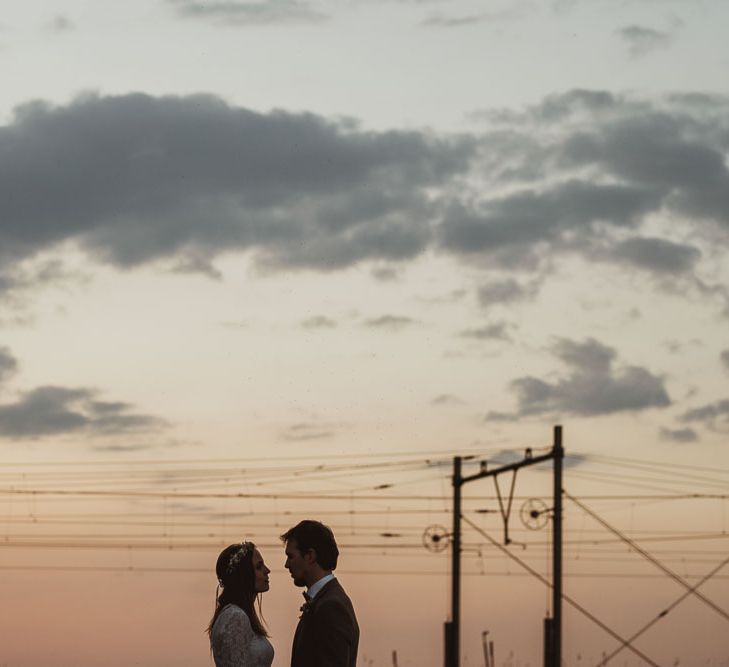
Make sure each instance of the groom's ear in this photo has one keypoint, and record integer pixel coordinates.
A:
(310, 555)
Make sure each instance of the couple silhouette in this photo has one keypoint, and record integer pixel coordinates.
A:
(327, 634)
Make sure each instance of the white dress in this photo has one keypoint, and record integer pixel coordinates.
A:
(234, 642)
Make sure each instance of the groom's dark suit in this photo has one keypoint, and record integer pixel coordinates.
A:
(327, 634)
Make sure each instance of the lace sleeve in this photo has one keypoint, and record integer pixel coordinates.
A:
(232, 639)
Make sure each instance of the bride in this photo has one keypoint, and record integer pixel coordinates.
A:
(237, 635)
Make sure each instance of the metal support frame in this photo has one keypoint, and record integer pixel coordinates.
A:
(453, 628)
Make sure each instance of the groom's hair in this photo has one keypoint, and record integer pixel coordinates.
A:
(310, 534)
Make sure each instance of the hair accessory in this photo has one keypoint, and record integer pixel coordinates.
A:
(244, 549)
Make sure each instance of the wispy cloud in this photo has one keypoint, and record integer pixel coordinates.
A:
(680, 435)
(390, 322)
(446, 399)
(724, 357)
(319, 322)
(264, 12)
(641, 40)
(302, 432)
(506, 292)
(714, 416)
(493, 331)
(439, 20)
(60, 24)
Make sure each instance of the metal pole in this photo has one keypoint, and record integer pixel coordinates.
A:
(557, 551)
(548, 650)
(456, 565)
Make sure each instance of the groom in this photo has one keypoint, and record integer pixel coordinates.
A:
(327, 634)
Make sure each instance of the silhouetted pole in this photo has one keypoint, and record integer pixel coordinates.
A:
(557, 551)
(455, 643)
(452, 628)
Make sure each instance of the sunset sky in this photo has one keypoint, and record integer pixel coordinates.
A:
(309, 251)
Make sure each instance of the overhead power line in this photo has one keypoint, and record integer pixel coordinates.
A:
(665, 612)
(565, 597)
(678, 579)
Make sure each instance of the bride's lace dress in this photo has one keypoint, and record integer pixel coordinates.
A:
(234, 642)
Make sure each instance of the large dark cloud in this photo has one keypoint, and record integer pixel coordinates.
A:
(54, 410)
(50, 410)
(135, 179)
(639, 183)
(592, 385)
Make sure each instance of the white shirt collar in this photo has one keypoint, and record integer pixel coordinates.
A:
(315, 588)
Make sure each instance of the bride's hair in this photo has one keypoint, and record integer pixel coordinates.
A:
(237, 579)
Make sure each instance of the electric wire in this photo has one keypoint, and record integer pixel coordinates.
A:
(677, 578)
(565, 597)
(665, 612)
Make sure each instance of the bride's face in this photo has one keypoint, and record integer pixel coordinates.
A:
(260, 572)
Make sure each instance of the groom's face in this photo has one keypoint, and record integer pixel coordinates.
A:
(296, 563)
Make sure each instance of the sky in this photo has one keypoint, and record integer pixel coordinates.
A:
(309, 251)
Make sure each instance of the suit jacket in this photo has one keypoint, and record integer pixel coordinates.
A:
(327, 634)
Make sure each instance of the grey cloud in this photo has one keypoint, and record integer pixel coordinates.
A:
(506, 292)
(266, 12)
(136, 179)
(496, 416)
(306, 431)
(724, 356)
(119, 448)
(441, 21)
(52, 410)
(385, 273)
(8, 364)
(679, 435)
(446, 399)
(494, 331)
(61, 24)
(712, 415)
(680, 157)
(449, 297)
(530, 217)
(318, 322)
(556, 108)
(390, 322)
(614, 161)
(641, 40)
(452, 21)
(593, 386)
(18, 279)
(656, 255)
